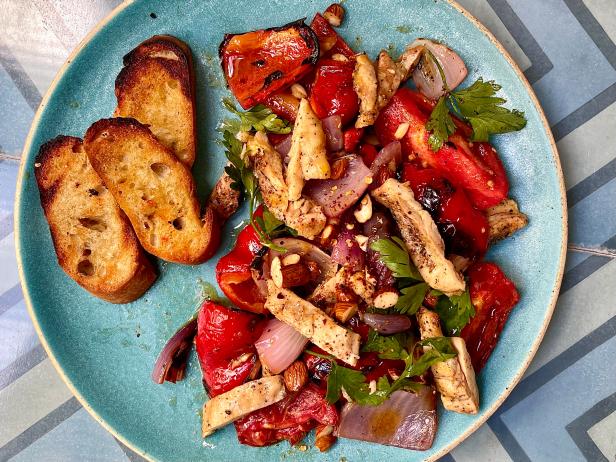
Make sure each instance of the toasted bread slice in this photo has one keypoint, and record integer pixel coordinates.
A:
(154, 189)
(94, 241)
(156, 87)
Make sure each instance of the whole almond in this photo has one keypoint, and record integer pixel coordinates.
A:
(295, 376)
(324, 437)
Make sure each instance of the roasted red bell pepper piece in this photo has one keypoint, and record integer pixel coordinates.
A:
(463, 227)
(258, 64)
(289, 419)
(352, 136)
(234, 275)
(332, 92)
(329, 41)
(283, 104)
(225, 346)
(474, 167)
(493, 295)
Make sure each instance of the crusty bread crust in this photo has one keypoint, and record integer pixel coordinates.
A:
(93, 239)
(157, 87)
(154, 189)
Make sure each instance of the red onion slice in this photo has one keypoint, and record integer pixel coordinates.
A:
(427, 77)
(332, 126)
(388, 323)
(336, 196)
(346, 251)
(279, 345)
(406, 420)
(171, 362)
(390, 153)
(284, 146)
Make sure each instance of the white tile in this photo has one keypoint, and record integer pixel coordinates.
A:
(17, 334)
(603, 433)
(482, 10)
(78, 438)
(604, 12)
(482, 446)
(38, 50)
(29, 399)
(578, 312)
(8, 265)
(77, 17)
(589, 147)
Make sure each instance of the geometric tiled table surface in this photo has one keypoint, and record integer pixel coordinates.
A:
(565, 407)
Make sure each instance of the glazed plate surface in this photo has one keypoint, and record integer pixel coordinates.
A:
(105, 352)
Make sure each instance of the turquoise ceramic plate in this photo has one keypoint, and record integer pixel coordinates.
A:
(105, 352)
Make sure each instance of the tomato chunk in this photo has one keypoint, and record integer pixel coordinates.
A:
(475, 167)
(225, 346)
(289, 419)
(330, 43)
(493, 296)
(368, 153)
(257, 64)
(352, 136)
(234, 275)
(463, 227)
(332, 92)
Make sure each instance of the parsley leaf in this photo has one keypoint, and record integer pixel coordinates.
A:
(243, 179)
(479, 105)
(441, 350)
(394, 255)
(440, 125)
(354, 384)
(358, 390)
(455, 311)
(388, 346)
(259, 118)
(411, 298)
(242, 176)
(272, 226)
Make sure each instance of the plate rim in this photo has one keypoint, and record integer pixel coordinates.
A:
(452, 444)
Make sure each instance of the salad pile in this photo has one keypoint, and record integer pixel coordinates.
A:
(357, 295)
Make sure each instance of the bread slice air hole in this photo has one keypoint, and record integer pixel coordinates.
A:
(160, 169)
(86, 252)
(178, 223)
(85, 268)
(95, 224)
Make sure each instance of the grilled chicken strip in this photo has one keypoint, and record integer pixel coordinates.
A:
(365, 84)
(421, 237)
(454, 378)
(389, 76)
(505, 219)
(224, 199)
(306, 217)
(268, 170)
(409, 59)
(359, 282)
(308, 154)
(303, 215)
(241, 401)
(313, 323)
